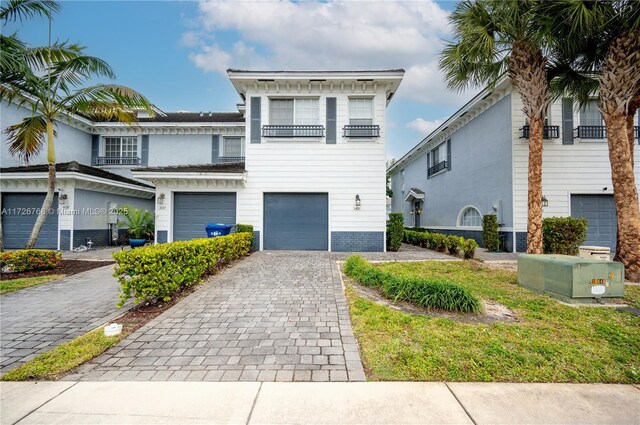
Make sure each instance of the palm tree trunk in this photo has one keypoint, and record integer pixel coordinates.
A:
(534, 203)
(51, 187)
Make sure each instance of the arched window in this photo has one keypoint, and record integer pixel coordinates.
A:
(470, 217)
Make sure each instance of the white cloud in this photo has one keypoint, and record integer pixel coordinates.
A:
(424, 127)
(189, 39)
(330, 35)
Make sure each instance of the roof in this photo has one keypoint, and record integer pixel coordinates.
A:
(76, 167)
(228, 167)
(196, 117)
(373, 71)
(417, 191)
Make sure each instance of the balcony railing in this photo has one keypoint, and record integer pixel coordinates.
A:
(361, 131)
(437, 168)
(290, 131)
(231, 159)
(591, 132)
(549, 132)
(636, 132)
(117, 160)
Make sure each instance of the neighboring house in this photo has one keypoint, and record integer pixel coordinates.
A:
(476, 162)
(306, 169)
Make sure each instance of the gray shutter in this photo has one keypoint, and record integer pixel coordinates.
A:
(428, 164)
(567, 121)
(449, 154)
(255, 119)
(215, 148)
(331, 120)
(145, 150)
(95, 148)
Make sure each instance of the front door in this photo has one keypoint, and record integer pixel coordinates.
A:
(416, 214)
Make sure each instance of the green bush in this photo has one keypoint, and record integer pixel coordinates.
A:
(156, 272)
(423, 291)
(439, 242)
(25, 260)
(490, 234)
(454, 244)
(563, 235)
(244, 228)
(395, 231)
(469, 248)
(140, 222)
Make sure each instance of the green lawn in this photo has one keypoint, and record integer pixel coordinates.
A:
(7, 286)
(551, 342)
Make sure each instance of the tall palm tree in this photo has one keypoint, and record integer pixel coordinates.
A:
(50, 80)
(494, 37)
(601, 55)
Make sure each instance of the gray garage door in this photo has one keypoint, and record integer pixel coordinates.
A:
(193, 211)
(296, 221)
(19, 213)
(600, 211)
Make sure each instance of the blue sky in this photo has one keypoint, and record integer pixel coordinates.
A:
(175, 53)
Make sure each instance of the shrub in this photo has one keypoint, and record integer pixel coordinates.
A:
(423, 291)
(244, 228)
(490, 235)
(157, 272)
(395, 231)
(454, 244)
(138, 221)
(469, 248)
(563, 235)
(438, 242)
(30, 259)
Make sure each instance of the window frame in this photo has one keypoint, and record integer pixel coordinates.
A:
(351, 117)
(223, 149)
(462, 214)
(105, 140)
(582, 111)
(295, 115)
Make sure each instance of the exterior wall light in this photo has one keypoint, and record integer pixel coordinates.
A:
(358, 203)
(418, 210)
(545, 201)
(161, 199)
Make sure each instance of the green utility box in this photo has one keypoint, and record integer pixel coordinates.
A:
(571, 279)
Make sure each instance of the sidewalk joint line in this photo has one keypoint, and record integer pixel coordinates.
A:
(41, 405)
(460, 403)
(255, 400)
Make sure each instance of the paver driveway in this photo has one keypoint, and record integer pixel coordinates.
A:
(36, 319)
(275, 316)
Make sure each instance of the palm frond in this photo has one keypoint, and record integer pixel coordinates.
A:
(107, 102)
(20, 10)
(26, 138)
(70, 73)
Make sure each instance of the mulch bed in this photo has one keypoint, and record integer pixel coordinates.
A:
(68, 267)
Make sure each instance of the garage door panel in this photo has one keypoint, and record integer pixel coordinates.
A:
(20, 216)
(600, 212)
(193, 211)
(296, 221)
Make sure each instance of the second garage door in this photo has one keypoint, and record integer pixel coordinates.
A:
(600, 211)
(296, 221)
(193, 211)
(20, 211)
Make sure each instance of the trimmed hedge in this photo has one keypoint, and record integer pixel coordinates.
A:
(423, 291)
(156, 272)
(490, 232)
(455, 245)
(246, 228)
(563, 235)
(395, 231)
(30, 259)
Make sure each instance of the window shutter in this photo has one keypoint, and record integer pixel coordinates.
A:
(567, 121)
(449, 154)
(145, 149)
(95, 148)
(255, 119)
(331, 120)
(215, 148)
(428, 164)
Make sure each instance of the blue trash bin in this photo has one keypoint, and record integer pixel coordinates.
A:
(218, 229)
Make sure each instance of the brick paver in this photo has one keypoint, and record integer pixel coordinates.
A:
(36, 319)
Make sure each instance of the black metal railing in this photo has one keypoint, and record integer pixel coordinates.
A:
(365, 131)
(636, 132)
(231, 159)
(292, 131)
(437, 168)
(549, 132)
(117, 160)
(591, 132)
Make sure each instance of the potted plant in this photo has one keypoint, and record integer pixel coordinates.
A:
(139, 223)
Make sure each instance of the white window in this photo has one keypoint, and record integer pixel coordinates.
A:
(438, 154)
(120, 147)
(232, 146)
(294, 112)
(360, 111)
(470, 217)
(590, 114)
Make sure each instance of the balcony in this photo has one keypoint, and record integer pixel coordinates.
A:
(636, 132)
(549, 132)
(117, 160)
(225, 159)
(591, 132)
(361, 131)
(437, 168)
(292, 131)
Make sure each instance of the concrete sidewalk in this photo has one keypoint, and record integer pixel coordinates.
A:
(317, 403)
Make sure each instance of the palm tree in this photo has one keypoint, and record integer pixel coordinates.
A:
(601, 54)
(50, 79)
(494, 37)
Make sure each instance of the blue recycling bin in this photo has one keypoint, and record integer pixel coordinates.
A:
(218, 229)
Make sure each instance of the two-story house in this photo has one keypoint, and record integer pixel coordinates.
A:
(475, 163)
(304, 164)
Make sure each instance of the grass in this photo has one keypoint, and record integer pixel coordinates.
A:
(551, 342)
(55, 363)
(12, 285)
